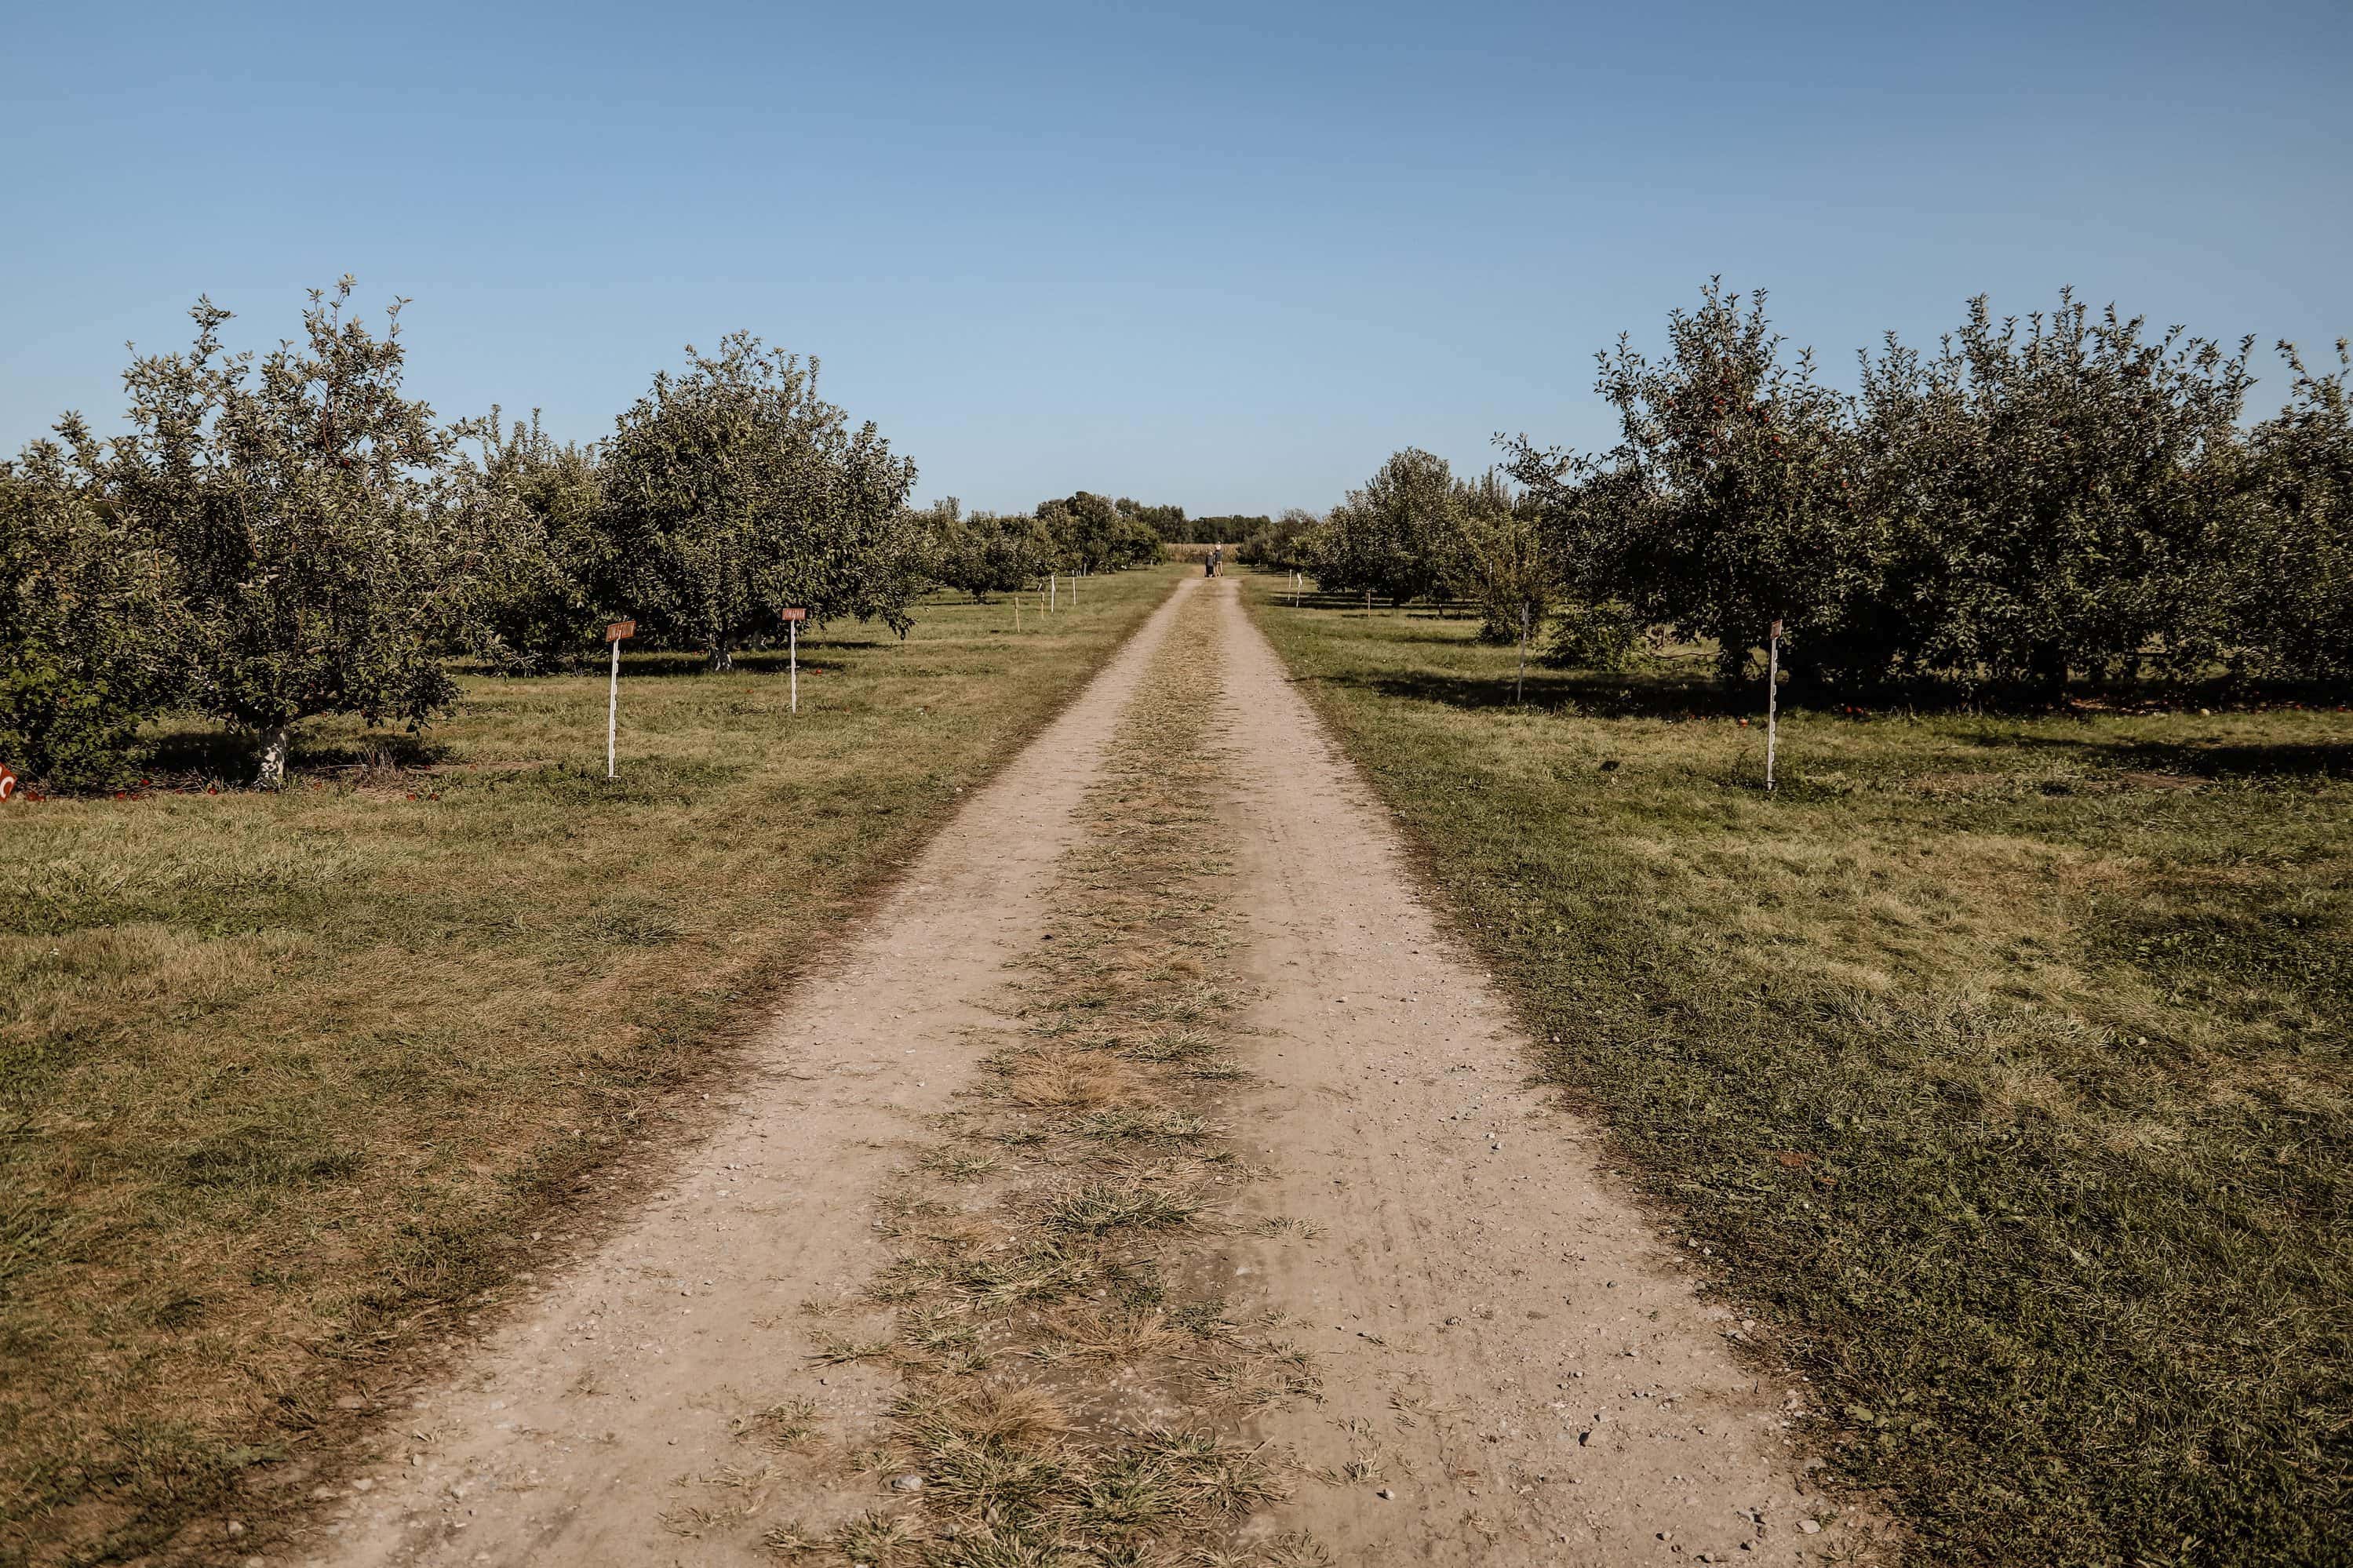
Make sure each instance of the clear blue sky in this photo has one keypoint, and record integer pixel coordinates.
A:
(1224, 256)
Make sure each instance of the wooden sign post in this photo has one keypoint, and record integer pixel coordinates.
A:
(614, 634)
(1772, 703)
(793, 619)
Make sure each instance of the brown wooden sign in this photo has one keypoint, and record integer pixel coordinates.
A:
(792, 615)
(620, 629)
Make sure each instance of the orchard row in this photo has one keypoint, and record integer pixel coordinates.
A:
(2060, 499)
(285, 537)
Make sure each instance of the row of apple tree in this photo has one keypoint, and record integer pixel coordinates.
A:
(2063, 497)
(288, 535)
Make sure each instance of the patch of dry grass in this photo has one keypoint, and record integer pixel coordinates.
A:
(780, 1425)
(290, 1084)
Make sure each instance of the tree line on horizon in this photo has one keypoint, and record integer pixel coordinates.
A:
(986, 552)
(2062, 498)
(286, 537)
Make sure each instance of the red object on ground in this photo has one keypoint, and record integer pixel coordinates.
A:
(7, 783)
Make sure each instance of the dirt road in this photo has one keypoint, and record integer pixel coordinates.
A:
(1229, 1225)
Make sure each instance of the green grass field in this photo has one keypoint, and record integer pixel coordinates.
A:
(1996, 1066)
(288, 1085)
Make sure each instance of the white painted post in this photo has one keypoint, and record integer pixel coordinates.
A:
(793, 637)
(1772, 703)
(1520, 681)
(1053, 591)
(614, 634)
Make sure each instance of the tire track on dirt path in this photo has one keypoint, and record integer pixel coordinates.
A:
(600, 1423)
(1515, 1368)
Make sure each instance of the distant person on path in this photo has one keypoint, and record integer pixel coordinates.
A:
(1217, 556)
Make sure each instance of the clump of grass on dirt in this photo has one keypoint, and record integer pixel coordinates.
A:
(2000, 1060)
(288, 1083)
(780, 1425)
(1068, 1397)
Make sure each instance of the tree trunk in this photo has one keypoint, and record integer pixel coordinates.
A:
(2047, 662)
(275, 740)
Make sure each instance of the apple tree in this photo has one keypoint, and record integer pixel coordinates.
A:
(298, 503)
(734, 491)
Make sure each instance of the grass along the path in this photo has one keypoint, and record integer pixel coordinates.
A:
(288, 1085)
(1996, 1066)
(1070, 1394)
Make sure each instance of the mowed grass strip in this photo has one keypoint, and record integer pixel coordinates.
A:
(1999, 1064)
(287, 1083)
(1074, 1386)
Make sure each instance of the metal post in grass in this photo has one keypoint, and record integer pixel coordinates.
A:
(613, 635)
(793, 619)
(1772, 703)
(1053, 591)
